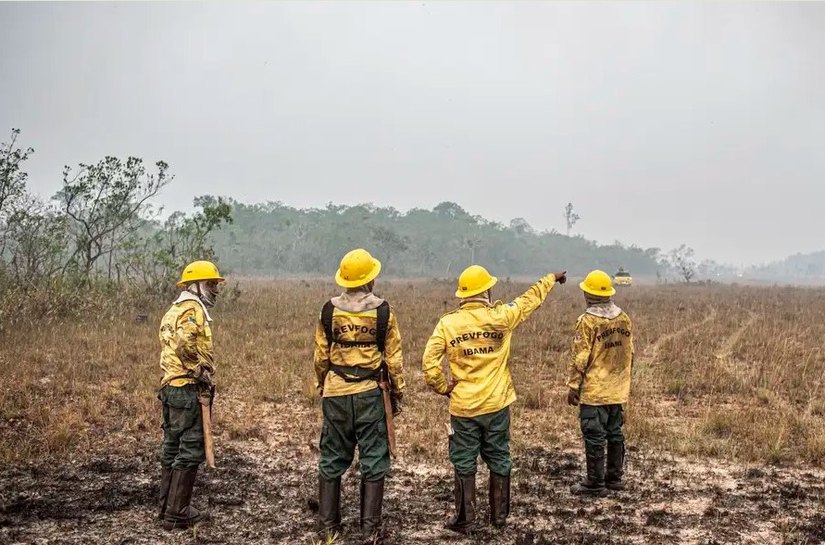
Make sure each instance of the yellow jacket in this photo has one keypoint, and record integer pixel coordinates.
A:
(476, 340)
(186, 355)
(354, 319)
(602, 356)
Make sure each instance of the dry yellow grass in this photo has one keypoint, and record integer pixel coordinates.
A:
(726, 372)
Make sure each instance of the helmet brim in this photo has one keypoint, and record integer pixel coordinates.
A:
(219, 279)
(586, 289)
(373, 274)
(470, 293)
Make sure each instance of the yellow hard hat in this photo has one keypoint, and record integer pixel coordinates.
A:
(199, 270)
(474, 280)
(357, 268)
(598, 283)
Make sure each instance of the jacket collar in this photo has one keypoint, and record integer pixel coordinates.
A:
(604, 310)
(188, 296)
(357, 301)
(478, 301)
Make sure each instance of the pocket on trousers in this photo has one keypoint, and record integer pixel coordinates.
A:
(501, 422)
(335, 409)
(324, 432)
(370, 406)
(178, 398)
(588, 411)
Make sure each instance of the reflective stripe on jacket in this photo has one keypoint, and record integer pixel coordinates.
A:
(476, 341)
(602, 357)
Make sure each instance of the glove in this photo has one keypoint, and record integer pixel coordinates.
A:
(561, 277)
(450, 386)
(572, 397)
(395, 401)
(206, 377)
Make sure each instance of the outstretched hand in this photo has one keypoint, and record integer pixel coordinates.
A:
(561, 277)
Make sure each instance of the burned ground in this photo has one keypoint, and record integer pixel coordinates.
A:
(261, 494)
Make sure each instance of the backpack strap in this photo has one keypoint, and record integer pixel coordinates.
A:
(326, 321)
(383, 315)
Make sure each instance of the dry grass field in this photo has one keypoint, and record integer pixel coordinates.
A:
(726, 423)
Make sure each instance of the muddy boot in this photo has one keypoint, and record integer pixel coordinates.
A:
(499, 499)
(593, 484)
(179, 513)
(615, 466)
(372, 496)
(165, 480)
(465, 505)
(329, 499)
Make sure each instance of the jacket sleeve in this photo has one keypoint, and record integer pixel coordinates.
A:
(582, 347)
(321, 356)
(524, 305)
(186, 338)
(431, 362)
(393, 355)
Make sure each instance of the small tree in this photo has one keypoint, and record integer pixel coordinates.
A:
(37, 240)
(155, 259)
(103, 203)
(12, 179)
(681, 259)
(570, 217)
(521, 226)
(12, 184)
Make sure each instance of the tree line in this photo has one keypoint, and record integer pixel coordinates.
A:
(276, 239)
(103, 230)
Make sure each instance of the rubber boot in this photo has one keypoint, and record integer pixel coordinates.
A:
(465, 505)
(179, 513)
(593, 484)
(613, 480)
(372, 497)
(165, 481)
(499, 499)
(329, 500)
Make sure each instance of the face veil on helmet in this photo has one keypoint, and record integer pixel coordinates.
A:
(201, 278)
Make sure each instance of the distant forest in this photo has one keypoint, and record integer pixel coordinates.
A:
(801, 266)
(276, 239)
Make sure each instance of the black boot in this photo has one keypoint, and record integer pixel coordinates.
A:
(465, 505)
(499, 499)
(372, 496)
(615, 466)
(179, 513)
(165, 481)
(593, 484)
(329, 499)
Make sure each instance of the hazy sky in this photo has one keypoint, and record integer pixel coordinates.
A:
(663, 123)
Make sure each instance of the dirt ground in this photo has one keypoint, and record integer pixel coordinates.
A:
(264, 492)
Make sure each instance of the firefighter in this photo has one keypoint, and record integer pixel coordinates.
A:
(475, 338)
(599, 383)
(356, 338)
(188, 364)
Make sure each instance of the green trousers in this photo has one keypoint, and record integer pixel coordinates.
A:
(350, 421)
(182, 428)
(601, 424)
(488, 435)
